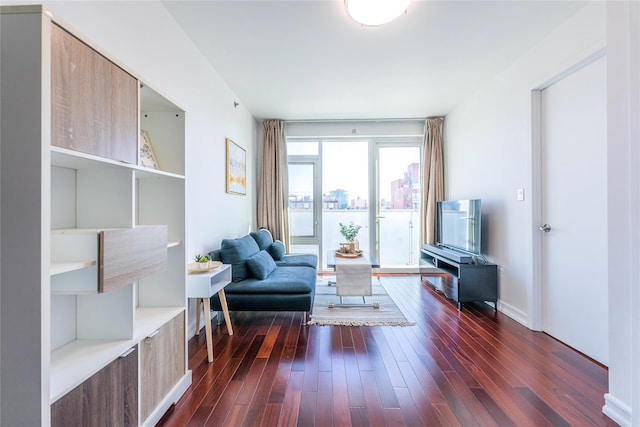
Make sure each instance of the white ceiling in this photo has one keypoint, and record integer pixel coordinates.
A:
(305, 59)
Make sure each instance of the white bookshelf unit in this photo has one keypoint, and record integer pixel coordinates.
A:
(93, 290)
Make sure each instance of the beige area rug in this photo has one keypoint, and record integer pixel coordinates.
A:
(388, 313)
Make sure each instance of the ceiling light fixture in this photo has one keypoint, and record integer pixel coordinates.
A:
(375, 12)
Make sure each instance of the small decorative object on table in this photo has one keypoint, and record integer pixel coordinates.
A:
(203, 261)
(202, 266)
(350, 232)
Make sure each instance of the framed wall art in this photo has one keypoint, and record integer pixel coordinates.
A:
(236, 168)
(147, 156)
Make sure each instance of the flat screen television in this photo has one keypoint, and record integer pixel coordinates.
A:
(458, 225)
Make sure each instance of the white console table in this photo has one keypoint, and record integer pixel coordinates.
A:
(203, 286)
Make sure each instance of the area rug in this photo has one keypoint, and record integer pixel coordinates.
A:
(388, 313)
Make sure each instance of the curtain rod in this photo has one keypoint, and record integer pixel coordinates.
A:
(408, 119)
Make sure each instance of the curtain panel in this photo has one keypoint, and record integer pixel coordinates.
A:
(432, 177)
(273, 200)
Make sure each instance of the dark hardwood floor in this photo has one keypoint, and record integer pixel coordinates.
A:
(452, 368)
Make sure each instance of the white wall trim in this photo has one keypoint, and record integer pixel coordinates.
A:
(616, 410)
(535, 299)
(623, 157)
(599, 53)
(632, 114)
(513, 312)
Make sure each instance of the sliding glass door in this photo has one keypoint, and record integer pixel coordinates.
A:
(345, 191)
(398, 205)
(374, 184)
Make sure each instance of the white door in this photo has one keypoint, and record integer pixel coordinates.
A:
(574, 210)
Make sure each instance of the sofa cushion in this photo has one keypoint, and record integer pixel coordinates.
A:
(236, 252)
(297, 260)
(263, 238)
(215, 255)
(299, 280)
(261, 264)
(277, 250)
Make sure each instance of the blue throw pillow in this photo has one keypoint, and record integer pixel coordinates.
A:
(277, 250)
(236, 252)
(263, 238)
(261, 265)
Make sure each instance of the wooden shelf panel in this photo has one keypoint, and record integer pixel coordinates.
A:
(71, 159)
(66, 267)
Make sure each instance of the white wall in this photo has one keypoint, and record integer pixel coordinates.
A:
(145, 38)
(488, 151)
(622, 403)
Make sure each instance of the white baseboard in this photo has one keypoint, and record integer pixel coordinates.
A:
(514, 313)
(616, 410)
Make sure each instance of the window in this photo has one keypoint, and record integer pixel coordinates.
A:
(372, 181)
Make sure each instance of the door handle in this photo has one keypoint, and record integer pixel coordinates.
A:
(545, 227)
(153, 334)
(128, 352)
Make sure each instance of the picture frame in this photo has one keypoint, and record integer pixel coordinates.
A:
(147, 156)
(236, 168)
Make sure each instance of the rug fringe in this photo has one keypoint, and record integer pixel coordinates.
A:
(356, 323)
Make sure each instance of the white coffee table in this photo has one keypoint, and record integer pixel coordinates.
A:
(353, 277)
(203, 286)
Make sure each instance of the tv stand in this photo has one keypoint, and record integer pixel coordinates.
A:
(460, 281)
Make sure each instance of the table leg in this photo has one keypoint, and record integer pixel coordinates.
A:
(198, 308)
(207, 328)
(225, 310)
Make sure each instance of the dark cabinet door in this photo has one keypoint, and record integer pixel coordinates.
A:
(108, 398)
(94, 102)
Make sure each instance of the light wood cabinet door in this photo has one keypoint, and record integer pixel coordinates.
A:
(128, 254)
(94, 102)
(162, 363)
(108, 398)
(120, 255)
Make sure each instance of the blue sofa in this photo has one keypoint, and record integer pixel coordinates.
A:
(264, 278)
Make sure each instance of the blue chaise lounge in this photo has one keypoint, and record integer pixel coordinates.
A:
(264, 278)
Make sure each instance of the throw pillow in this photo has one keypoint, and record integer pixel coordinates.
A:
(261, 265)
(263, 238)
(236, 252)
(277, 250)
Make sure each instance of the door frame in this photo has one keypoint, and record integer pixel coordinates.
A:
(317, 201)
(535, 297)
(376, 144)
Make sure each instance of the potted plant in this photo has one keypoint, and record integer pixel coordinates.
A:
(203, 261)
(350, 232)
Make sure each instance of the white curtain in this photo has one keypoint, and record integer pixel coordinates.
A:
(273, 199)
(432, 177)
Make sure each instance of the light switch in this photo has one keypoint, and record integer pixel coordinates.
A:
(520, 194)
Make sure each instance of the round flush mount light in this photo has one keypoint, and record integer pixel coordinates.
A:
(375, 12)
